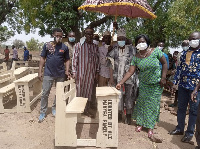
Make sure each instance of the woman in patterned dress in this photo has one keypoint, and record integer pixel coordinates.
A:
(151, 82)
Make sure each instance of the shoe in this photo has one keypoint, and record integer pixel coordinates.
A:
(41, 117)
(138, 128)
(176, 132)
(128, 118)
(54, 112)
(186, 139)
(153, 138)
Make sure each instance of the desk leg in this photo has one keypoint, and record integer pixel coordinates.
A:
(107, 135)
(23, 98)
(1, 103)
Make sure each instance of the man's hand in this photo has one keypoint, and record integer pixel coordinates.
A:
(194, 95)
(40, 76)
(118, 86)
(68, 74)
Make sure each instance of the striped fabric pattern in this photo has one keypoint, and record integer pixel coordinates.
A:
(85, 65)
(147, 108)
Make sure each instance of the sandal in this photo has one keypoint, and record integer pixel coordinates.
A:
(152, 138)
(138, 128)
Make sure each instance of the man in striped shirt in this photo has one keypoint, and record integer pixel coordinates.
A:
(85, 67)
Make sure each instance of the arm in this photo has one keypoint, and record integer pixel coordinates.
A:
(41, 65)
(67, 67)
(127, 76)
(164, 71)
(75, 59)
(194, 93)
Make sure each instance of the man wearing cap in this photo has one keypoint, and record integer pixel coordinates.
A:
(70, 44)
(26, 54)
(122, 55)
(104, 72)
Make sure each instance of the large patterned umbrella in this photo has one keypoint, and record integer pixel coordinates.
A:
(126, 8)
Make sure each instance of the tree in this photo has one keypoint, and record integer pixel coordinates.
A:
(34, 44)
(5, 34)
(18, 43)
(47, 14)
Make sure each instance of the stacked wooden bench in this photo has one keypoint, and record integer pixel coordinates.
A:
(68, 110)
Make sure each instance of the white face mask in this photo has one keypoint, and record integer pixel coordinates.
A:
(142, 46)
(58, 39)
(160, 48)
(185, 48)
(96, 42)
(106, 46)
(194, 43)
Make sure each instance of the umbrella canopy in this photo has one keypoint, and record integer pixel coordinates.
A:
(126, 8)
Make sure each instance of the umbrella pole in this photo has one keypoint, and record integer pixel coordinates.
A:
(113, 30)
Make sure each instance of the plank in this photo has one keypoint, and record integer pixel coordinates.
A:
(27, 78)
(7, 88)
(77, 105)
(107, 91)
(86, 142)
(20, 70)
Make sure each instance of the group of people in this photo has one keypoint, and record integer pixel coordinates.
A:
(103, 63)
(15, 56)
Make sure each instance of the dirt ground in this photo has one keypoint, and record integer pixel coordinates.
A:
(22, 131)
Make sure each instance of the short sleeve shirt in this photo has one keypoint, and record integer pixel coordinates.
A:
(55, 59)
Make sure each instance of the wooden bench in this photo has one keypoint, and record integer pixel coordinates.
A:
(3, 67)
(28, 90)
(21, 72)
(68, 108)
(7, 94)
(68, 112)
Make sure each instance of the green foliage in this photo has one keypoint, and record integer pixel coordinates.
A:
(5, 34)
(18, 43)
(34, 45)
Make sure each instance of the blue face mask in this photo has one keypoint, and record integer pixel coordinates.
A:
(71, 39)
(121, 43)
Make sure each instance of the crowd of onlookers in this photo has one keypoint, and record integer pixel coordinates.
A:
(138, 70)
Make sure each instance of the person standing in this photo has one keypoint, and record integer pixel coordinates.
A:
(104, 73)
(187, 75)
(85, 68)
(6, 53)
(122, 55)
(26, 54)
(151, 82)
(70, 44)
(15, 55)
(161, 46)
(55, 57)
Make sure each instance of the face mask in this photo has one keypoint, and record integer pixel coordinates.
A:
(121, 43)
(106, 46)
(142, 46)
(71, 39)
(96, 42)
(160, 48)
(58, 39)
(194, 43)
(185, 48)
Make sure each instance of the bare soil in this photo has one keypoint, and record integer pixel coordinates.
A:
(22, 131)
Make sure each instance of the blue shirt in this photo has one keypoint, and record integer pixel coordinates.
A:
(188, 72)
(55, 59)
(26, 55)
(167, 59)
